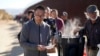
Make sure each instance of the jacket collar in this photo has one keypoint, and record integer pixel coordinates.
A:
(97, 20)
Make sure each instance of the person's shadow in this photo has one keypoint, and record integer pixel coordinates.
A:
(16, 51)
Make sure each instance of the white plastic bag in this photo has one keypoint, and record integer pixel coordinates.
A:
(50, 46)
(98, 54)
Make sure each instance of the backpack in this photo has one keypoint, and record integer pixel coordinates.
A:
(18, 36)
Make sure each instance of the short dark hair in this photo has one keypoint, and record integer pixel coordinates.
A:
(29, 12)
(40, 7)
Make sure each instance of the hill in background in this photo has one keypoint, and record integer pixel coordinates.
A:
(4, 15)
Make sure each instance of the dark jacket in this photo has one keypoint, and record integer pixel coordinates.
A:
(53, 27)
(55, 24)
(92, 31)
(33, 35)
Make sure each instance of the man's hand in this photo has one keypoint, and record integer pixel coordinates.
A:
(77, 30)
(98, 45)
(41, 48)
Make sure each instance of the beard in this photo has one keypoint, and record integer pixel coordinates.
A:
(93, 19)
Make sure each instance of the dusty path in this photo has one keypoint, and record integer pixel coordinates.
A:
(9, 45)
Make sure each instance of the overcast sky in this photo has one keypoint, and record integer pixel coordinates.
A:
(17, 4)
(15, 7)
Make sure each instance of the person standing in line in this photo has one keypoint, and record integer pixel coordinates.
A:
(35, 34)
(92, 30)
(65, 17)
(58, 26)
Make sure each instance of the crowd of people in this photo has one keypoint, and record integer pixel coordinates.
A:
(42, 26)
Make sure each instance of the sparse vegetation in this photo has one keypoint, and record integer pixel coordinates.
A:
(4, 15)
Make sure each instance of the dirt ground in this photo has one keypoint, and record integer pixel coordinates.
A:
(9, 45)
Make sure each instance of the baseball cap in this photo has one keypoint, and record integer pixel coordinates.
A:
(91, 8)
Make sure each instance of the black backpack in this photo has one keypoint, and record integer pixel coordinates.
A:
(18, 36)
